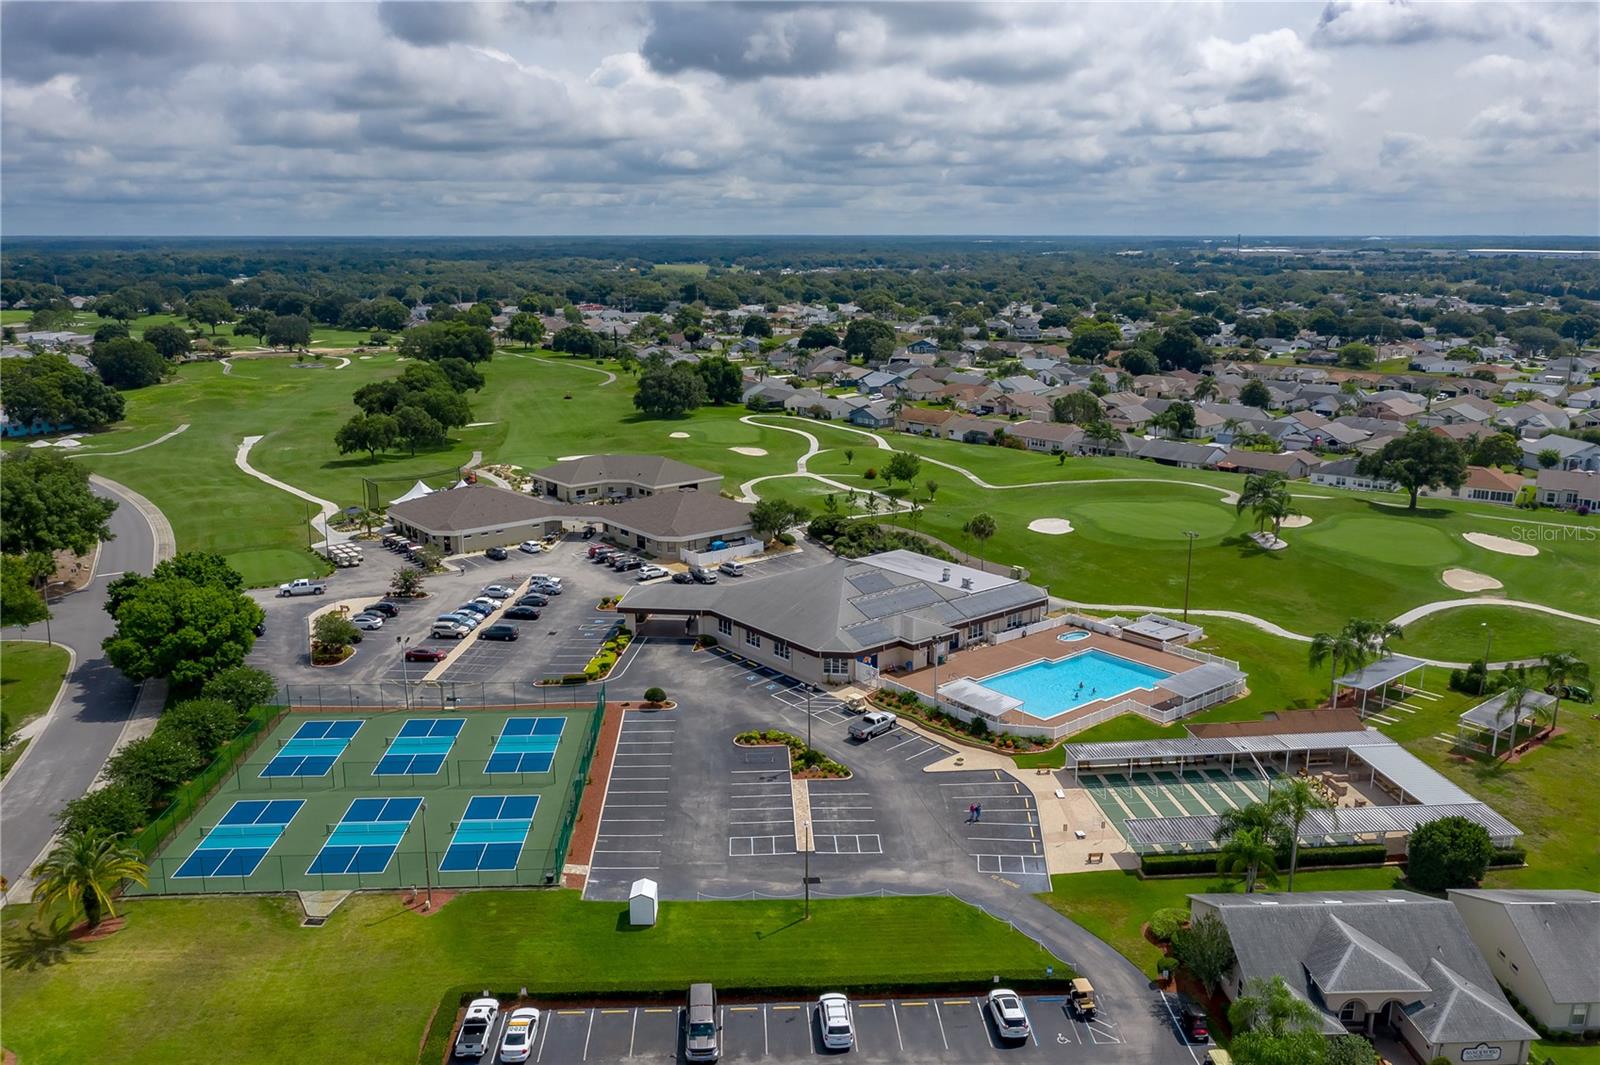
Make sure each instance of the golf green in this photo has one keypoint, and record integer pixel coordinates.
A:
(1399, 542)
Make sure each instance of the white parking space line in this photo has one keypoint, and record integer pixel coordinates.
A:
(940, 1016)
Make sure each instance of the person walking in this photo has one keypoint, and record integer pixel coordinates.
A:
(972, 812)
(977, 812)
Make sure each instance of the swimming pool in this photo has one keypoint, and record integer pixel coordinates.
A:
(1050, 689)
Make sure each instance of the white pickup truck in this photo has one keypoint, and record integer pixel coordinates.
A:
(872, 724)
(302, 586)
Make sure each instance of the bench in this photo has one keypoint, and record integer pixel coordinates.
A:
(1096, 858)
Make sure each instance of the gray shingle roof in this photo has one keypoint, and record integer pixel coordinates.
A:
(666, 515)
(474, 507)
(650, 471)
(1343, 960)
(1561, 929)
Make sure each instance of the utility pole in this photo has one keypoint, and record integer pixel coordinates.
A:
(1188, 573)
(1488, 643)
(427, 870)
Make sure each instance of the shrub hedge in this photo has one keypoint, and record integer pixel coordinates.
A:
(1310, 858)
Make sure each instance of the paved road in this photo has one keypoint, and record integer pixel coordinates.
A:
(63, 760)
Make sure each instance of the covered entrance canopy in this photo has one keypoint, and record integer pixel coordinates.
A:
(1388, 671)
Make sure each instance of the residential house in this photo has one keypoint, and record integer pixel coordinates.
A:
(1571, 453)
(923, 346)
(1293, 465)
(922, 421)
(1587, 399)
(766, 395)
(1468, 409)
(1047, 437)
(878, 414)
(1178, 453)
(1484, 484)
(1023, 405)
(972, 430)
(1543, 947)
(1532, 419)
(1374, 962)
(1569, 489)
(1344, 474)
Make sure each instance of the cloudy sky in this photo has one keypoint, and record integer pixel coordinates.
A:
(460, 118)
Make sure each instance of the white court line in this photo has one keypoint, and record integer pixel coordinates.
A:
(635, 820)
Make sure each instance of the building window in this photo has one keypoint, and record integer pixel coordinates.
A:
(780, 649)
(751, 638)
(725, 626)
(1580, 1015)
(1502, 954)
(975, 632)
(835, 666)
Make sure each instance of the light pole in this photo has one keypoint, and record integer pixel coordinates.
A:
(405, 666)
(427, 870)
(1188, 572)
(1488, 643)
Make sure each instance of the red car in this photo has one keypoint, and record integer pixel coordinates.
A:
(425, 654)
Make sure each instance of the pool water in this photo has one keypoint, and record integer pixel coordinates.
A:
(1050, 689)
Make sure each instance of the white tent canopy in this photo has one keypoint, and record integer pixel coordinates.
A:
(417, 491)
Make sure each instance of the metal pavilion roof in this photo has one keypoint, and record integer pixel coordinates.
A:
(1385, 670)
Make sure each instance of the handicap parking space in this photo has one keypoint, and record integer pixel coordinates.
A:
(577, 641)
(633, 820)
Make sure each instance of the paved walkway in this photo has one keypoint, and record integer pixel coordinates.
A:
(325, 509)
(607, 374)
(162, 439)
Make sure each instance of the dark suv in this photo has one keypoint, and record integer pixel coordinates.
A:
(1192, 1020)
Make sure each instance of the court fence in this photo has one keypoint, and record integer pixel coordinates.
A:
(416, 864)
(436, 695)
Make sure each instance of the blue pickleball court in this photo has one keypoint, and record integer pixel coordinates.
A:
(491, 833)
(526, 745)
(420, 748)
(366, 837)
(313, 749)
(239, 842)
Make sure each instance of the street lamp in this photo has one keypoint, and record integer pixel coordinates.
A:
(1488, 643)
(405, 666)
(427, 870)
(1188, 572)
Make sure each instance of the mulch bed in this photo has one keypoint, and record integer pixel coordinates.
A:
(109, 927)
(416, 904)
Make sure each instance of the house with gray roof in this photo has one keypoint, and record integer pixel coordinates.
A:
(1378, 963)
(1573, 454)
(588, 478)
(844, 620)
(1544, 947)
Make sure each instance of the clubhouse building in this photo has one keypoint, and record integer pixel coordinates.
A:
(600, 478)
(846, 620)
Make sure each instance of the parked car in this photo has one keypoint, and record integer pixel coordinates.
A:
(702, 575)
(301, 586)
(522, 1029)
(449, 630)
(499, 632)
(425, 654)
(367, 621)
(545, 578)
(490, 604)
(833, 1017)
(1192, 1021)
(603, 555)
(476, 608)
(260, 629)
(473, 1039)
(545, 587)
(874, 724)
(702, 1030)
(498, 554)
(627, 563)
(522, 613)
(1082, 994)
(1010, 1019)
(650, 573)
(387, 609)
(465, 618)
(731, 568)
(498, 591)
(683, 577)
(533, 599)
(532, 547)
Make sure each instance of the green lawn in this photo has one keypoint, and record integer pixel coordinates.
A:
(30, 675)
(1459, 635)
(322, 336)
(237, 979)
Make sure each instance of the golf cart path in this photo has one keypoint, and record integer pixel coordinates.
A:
(326, 510)
(1414, 614)
(1229, 497)
(162, 439)
(607, 374)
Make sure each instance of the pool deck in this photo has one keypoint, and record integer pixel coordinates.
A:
(985, 661)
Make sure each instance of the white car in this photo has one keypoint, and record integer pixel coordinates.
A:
(522, 1028)
(1010, 1019)
(731, 568)
(833, 1017)
(497, 591)
(367, 621)
(473, 1039)
(532, 547)
(649, 573)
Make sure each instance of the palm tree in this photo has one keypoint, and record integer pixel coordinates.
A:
(1295, 799)
(1205, 388)
(1249, 851)
(83, 870)
(980, 528)
(1103, 433)
(1517, 691)
(1339, 649)
(1231, 426)
(1256, 816)
(1268, 496)
(1561, 668)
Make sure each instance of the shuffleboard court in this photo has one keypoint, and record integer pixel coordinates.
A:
(491, 833)
(526, 745)
(238, 843)
(313, 749)
(366, 837)
(420, 748)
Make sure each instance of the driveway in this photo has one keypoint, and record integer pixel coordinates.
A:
(63, 760)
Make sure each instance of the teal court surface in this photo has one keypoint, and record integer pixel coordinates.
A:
(1122, 796)
(331, 801)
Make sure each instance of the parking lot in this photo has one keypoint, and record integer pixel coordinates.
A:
(945, 1028)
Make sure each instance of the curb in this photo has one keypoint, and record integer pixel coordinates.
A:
(42, 722)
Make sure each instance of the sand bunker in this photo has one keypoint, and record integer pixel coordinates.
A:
(1296, 521)
(753, 452)
(1500, 545)
(679, 436)
(571, 458)
(1050, 526)
(1464, 580)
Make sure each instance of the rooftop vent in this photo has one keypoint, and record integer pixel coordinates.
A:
(944, 578)
(966, 583)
